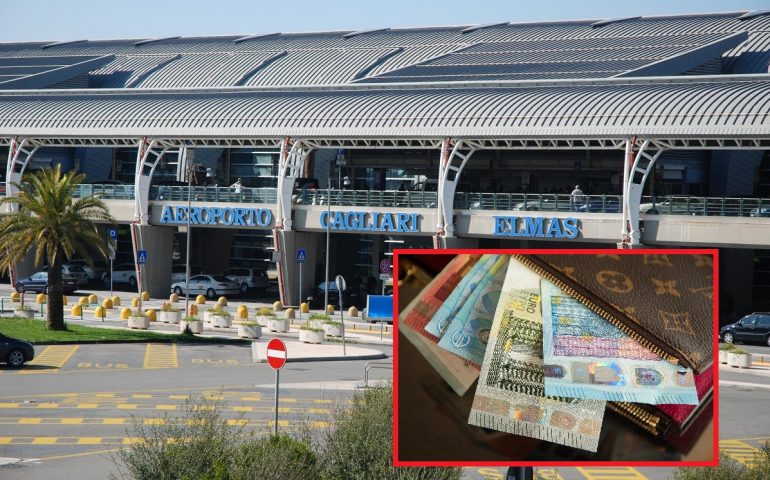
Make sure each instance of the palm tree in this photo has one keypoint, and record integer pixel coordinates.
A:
(55, 226)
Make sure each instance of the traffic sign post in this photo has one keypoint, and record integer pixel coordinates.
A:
(276, 358)
(341, 286)
(141, 257)
(385, 266)
(301, 257)
(112, 243)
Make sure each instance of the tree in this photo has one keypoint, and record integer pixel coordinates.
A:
(56, 227)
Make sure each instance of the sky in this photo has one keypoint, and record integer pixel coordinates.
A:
(59, 20)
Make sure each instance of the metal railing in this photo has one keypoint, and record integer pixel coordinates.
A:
(546, 202)
(366, 198)
(213, 194)
(106, 191)
(372, 365)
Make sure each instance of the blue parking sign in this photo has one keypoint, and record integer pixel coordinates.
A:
(113, 233)
(141, 257)
(301, 255)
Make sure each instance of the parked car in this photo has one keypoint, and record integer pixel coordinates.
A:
(317, 297)
(38, 283)
(209, 285)
(99, 271)
(15, 352)
(123, 273)
(74, 270)
(753, 328)
(179, 272)
(760, 212)
(247, 278)
(610, 205)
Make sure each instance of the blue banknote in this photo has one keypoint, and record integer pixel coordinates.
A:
(587, 357)
(455, 301)
(468, 332)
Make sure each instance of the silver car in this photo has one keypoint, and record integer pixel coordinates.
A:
(210, 285)
(248, 278)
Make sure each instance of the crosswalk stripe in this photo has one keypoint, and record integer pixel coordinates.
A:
(611, 473)
(53, 356)
(738, 450)
(160, 356)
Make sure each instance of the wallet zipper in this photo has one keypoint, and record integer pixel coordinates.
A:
(640, 417)
(596, 305)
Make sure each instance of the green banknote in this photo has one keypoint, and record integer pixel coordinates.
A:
(510, 395)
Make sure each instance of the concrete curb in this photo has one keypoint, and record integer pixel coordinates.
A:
(338, 358)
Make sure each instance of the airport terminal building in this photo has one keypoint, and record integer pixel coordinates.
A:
(456, 136)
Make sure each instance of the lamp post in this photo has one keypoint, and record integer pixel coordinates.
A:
(328, 222)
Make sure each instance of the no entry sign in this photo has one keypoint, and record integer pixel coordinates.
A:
(276, 353)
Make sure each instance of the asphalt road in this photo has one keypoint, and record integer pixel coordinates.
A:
(67, 419)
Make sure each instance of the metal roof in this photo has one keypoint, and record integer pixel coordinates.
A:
(681, 107)
(504, 51)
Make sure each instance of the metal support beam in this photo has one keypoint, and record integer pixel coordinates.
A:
(147, 158)
(636, 168)
(290, 165)
(19, 155)
(454, 156)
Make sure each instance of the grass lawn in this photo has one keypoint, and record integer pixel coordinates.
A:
(35, 331)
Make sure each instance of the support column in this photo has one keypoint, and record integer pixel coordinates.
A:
(292, 241)
(147, 158)
(19, 155)
(290, 166)
(159, 243)
(636, 169)
(454, 156)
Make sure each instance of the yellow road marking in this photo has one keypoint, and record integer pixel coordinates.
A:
(53, 356)
(154, 421)
(237, 421)
(548, 474)
(611, 473)
(58, 457)
(160, 356)
(112, 394)
(71, 421)
(5, 440)
(30, 421)
(243, 409)
(318, 410)
(738, 450)
(44, 440)
(141, 396)
(87, 405)
(9, 405)
(105, 395)
(47, 405)
(89, 440)
(113, 421)
(165, 407)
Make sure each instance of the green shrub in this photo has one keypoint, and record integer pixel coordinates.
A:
(739, 351)
(333, 323)
(318, 316)
(727, 347)
(265, 312)
(359, 445)
(729, 469)
(219, 311)
(278, 457)
(311, 329)
(198, 445)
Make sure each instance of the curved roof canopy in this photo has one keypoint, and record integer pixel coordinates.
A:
(659, 107)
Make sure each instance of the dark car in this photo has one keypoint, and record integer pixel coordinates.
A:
(317, 299)
(753, 328)
(38, 283)
(15, 352)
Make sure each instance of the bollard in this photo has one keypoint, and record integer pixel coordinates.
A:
(277, 306)
(124, 313)
(222, 302)
(173, 298)
(289, 313)
(40, 299)
(330, 309)
(353, 312)
(200, 299)
(93, 299)
(107, 303)
(304, 308)
(242, 312)
(145, 296)
(135, 302)
(116, 301)
(100, 312)
(64, 299)
(193, 310)
(151, 315)
(83, 301)
(76, 310)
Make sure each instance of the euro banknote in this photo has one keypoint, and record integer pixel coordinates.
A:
(455, 301)
(587, 357)
(434, 295)
(510, 395)
(468, 332)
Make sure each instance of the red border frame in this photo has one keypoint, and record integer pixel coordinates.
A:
(589, 251)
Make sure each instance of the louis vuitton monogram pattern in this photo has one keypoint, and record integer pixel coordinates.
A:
(668, 298)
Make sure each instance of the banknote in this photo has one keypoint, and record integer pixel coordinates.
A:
(587, 357)
(433, 296)
(468, 332)
(459, 296)
(510, 394)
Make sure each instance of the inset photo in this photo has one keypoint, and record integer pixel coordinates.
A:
(548, 357)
